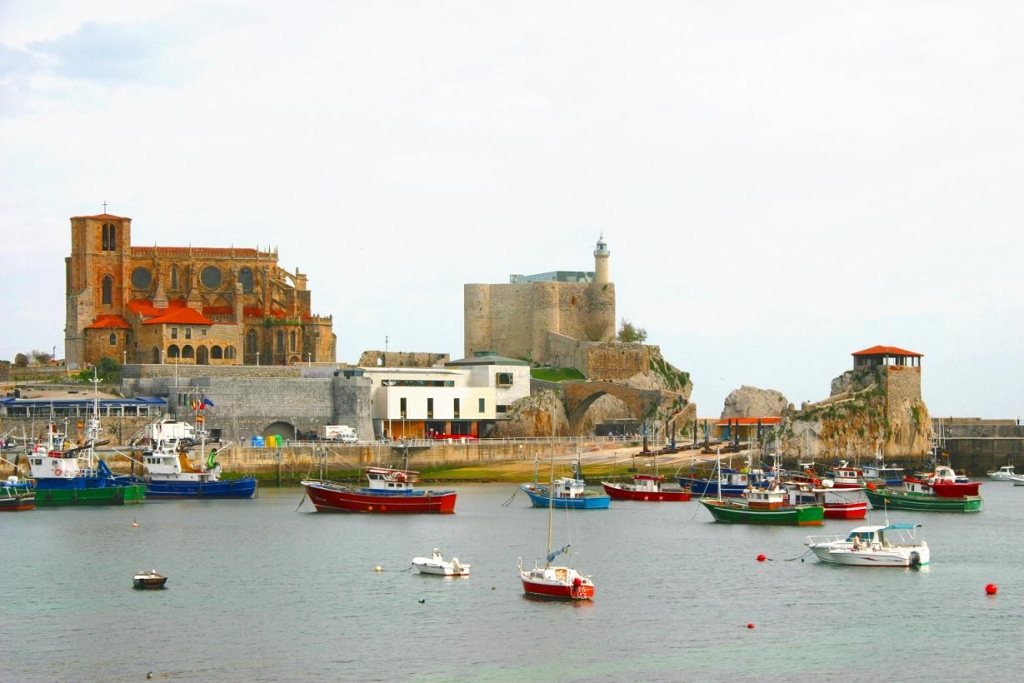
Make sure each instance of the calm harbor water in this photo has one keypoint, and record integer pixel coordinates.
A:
(266, 590)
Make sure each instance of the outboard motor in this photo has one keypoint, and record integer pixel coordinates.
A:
(915, 559)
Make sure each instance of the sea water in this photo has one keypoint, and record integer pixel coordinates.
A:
(269, 590)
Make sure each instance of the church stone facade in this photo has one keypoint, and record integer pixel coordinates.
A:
(517, 319)
(184, 305)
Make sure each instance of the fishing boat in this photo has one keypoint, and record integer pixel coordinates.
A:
(436, 565)
(148, 579)
(944, 483)
(889, 545)
(171, 473)
(554, 582)
(918, 495)
(645, 487)
(69, 475)
(389, 491)
(569, 492)
(846, 476)
(889, 475)
(726, 482)
(764, 505)
(16, 495)
(1005, 473)
(838, 503)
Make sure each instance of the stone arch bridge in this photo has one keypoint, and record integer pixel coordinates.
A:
(642, 403)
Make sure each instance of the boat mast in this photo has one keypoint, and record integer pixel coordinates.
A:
(551, 498)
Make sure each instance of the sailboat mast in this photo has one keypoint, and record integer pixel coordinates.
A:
(551, 510)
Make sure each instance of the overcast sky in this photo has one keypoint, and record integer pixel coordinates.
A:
(780, 183)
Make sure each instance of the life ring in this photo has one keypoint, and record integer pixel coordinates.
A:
(57, 471)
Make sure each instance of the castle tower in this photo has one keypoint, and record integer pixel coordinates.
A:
(601, 255)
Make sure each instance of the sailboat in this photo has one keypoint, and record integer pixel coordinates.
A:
(553, 582)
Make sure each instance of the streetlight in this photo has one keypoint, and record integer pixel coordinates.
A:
(257, 359)
(309, 359)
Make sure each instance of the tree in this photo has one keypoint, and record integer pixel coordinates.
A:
(20, 361)
(630, 334)
(40, 357)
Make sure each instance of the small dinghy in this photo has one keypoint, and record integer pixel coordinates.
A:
(148, 579)
(438, 566)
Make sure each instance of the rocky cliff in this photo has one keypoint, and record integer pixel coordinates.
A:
(871, 411)
(529, 416)
(753, 402)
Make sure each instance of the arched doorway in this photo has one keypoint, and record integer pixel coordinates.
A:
(202, 355)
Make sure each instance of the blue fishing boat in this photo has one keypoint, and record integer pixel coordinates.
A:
(171, 472)
(66, 474)
(569, 492)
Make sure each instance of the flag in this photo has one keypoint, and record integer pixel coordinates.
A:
(192, 403)
(207, 402)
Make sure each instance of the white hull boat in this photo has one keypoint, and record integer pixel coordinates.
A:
(1005, 473)
(436, 565)
(892, 545)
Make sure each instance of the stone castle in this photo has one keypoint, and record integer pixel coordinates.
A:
(184, 305)
(525, 317)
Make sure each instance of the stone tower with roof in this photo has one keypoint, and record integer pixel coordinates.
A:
(519, 319)
(187, 305)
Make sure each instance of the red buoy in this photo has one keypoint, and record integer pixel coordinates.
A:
(761, 558)
(991, 589)
(750, 625)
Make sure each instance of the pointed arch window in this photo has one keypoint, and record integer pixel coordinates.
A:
(250, 341)
(174, 277)
(108, 290)
(109, 237)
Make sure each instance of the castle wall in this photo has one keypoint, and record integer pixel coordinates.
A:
(515, 319)
(601, 360)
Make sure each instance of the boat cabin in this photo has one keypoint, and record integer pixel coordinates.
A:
(385, 479)
(767, 497)
(567, 487)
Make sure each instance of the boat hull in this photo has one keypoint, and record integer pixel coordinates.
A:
(557, 591)
(107, 495)
(17, 499)
(904, 500)
(435, 570)
(620, 493)
(587, 502)
(333, 497)
(233, 488)
(902, 557)
(149, 582)
(846, 510)
(792, 515)
(706, 487)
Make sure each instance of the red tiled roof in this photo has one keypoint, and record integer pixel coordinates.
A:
(177, 311)
(750, 421)
(180, 316)
(102, 216)
(887, 351)
(146, 307)
(108, 322)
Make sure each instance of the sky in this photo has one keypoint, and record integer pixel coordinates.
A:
(780, 183)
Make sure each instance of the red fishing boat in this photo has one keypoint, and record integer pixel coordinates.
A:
(646, 487)
(944, 483)
(390, 491)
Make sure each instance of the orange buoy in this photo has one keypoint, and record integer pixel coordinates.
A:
(991, 589)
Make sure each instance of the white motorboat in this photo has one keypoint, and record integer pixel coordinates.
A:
(1005, 473)
(891, 545)
(438, 566)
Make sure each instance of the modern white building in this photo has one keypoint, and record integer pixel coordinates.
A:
(462, 399)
